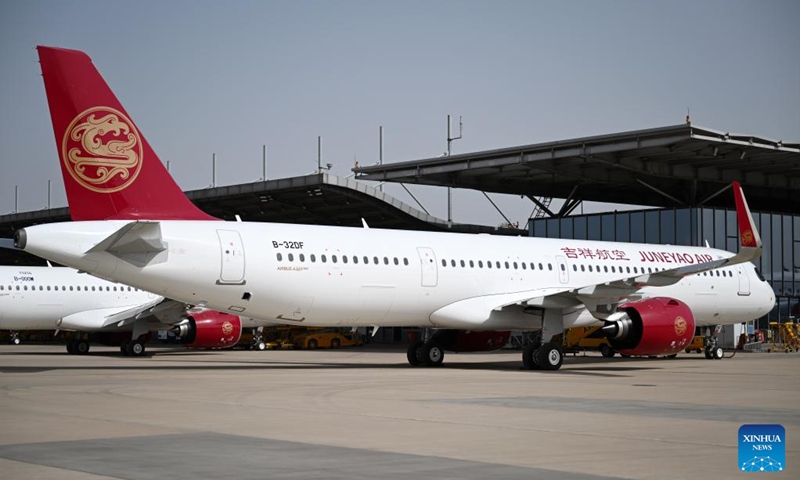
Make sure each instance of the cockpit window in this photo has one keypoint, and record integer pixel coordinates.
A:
(758, 274)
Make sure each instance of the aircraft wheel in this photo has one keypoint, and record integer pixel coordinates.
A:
(136, 348)
(672, 356)
(550, 356)
(716, 353)
(432, 354)
(81, 347)
(123, 348)
(708, 353)
(607, 351)
(16, 341)
(530, 360)
(71, 347)
(414, 353)
(261, 346)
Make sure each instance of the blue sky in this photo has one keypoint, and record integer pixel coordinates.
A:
(200, 77)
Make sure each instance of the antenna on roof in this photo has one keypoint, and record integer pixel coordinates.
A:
(688, 118)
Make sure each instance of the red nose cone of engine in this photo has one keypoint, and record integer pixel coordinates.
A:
(665, 326)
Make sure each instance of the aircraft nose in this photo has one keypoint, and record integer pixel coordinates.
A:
(769, 299)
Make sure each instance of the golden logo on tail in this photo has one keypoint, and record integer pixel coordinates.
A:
(747, 238)
(680, 326)
(102, 150)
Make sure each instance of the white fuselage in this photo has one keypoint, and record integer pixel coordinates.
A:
(36, 298)
(360, 276)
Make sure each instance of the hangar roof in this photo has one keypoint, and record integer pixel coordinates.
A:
(319, 199)
(680, 165)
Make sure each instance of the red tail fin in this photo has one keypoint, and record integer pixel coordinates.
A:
(109, 169)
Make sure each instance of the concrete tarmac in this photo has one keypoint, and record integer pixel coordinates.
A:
(364, 413)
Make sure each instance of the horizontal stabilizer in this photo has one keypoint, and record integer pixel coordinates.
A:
(138, 243)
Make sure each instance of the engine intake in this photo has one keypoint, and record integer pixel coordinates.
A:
(209, 329)
(655, 326)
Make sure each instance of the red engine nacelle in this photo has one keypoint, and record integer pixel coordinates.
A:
(656, 326)
(470, 341)
(209, 329)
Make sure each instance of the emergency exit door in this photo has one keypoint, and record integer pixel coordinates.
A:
(232, 266)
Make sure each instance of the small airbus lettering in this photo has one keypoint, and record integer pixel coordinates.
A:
(287, 244)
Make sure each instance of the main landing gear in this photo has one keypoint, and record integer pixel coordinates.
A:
(132, 348)
(14, 340)
(78, 346)
(548, 356)
(425, 354)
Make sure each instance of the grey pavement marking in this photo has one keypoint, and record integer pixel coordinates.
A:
(220, 456)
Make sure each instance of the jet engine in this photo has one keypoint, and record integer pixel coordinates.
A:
(470, 340)
(209, 329)
(655, 326)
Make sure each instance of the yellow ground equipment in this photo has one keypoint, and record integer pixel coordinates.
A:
(784, 337)
(696, 346)
(327, 339)
(579, 339)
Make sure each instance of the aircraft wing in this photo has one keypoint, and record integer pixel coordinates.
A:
(602, 299)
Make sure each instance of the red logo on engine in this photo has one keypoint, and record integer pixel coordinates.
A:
(227, 328)
(680, 326)
(102, 150)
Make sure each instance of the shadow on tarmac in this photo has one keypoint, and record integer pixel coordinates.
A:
(218, 360)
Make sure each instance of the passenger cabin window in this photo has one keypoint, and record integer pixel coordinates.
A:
(405, 261)
(291, 257)
(366, 260)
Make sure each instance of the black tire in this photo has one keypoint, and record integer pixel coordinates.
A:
(136, 348)
(123, 348)
(414, 353)
(550, 356)
(529, 360)
(708, 353)
(71, 347)
(312, 344)
(607, 351)
(432, 354)
(336, 343)
(16, 341)
(624, 355)
(81, 347)
(717, 353)
(261, 346)
(672, 356)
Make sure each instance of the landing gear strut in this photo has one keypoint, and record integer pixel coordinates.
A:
(258, 340)
(425, 354)
(547, 355)
(15, 340)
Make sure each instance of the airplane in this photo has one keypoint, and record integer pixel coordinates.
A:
(134, 225)
(55, 298)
